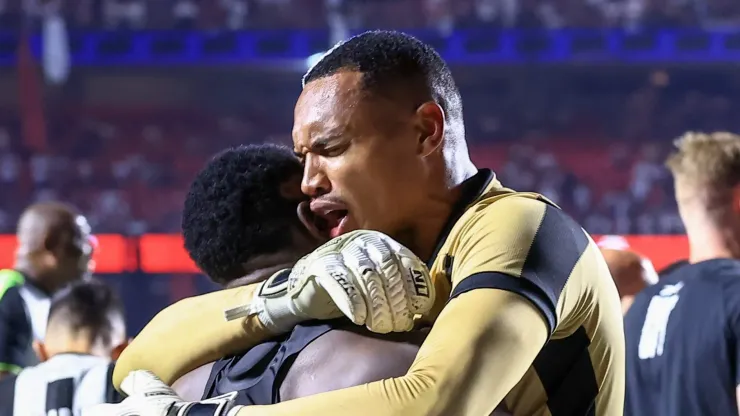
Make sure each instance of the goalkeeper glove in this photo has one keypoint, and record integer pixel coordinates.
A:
(364, 275)
(150, 396)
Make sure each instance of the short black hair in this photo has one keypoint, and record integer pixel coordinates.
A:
(235, 209)
(87, 305)
(389, 60)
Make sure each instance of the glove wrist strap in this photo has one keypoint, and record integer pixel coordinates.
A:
(217, 406)
(272, 305)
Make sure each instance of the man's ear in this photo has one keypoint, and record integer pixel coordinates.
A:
(117, 351)
(431, 126)
(40, 350)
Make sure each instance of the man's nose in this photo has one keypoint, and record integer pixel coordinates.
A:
(315, 182)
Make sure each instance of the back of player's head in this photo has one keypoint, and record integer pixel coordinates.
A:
(238, 208)
(396, 65)
(54, 238)
(88, 310)
(706, 168)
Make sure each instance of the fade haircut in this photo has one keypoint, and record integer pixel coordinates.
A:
(88, 306)
(235, 210)
(394, 64)
(706, 167)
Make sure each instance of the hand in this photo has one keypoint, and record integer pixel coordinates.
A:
(363, 275)
(149, 396)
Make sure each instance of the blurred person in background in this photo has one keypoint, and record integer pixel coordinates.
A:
(631, 273)
(53, 250)
(683, 333)
(86, 331)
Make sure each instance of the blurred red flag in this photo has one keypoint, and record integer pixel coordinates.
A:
(30, 96)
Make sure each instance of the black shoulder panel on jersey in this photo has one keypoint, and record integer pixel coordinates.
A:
(557, 246)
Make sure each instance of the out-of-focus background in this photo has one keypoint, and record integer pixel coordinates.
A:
(113, 105)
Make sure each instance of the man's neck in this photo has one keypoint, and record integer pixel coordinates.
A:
(33, 274)
(435, 213)
(258, 275)
(59, 345)
(708, 242)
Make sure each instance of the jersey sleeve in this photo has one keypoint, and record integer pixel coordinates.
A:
(168, 348)
(15, 332)
(521, 245)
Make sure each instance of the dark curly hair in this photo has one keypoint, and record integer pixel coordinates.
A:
(235, 210)
(87, 305)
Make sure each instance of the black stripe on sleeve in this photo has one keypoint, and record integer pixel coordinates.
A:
(502, 281)
(111, 394)
(556, 248)
(566, 372)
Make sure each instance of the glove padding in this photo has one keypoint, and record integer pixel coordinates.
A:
(364, 275)
(150, 396)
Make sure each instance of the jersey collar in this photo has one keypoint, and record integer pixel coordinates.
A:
(472, 188)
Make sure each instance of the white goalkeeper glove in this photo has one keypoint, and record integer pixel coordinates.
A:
(364, 275)
(150, 396)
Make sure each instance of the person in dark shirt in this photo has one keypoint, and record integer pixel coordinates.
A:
(683, 333)
(53, 250)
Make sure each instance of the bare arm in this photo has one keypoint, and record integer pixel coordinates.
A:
(192, 385)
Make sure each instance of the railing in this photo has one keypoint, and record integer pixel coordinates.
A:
(164, 253)
(479, 46)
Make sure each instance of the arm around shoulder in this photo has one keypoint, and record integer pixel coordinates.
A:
(191, 333)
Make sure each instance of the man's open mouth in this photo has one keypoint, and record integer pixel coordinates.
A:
(325, 225)
(330, 218)
(315, 225)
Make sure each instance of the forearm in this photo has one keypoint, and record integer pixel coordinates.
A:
(191, 333)
(479, 348)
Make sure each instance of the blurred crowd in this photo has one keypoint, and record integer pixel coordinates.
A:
(591, 144)
(592, 140)
(344, 15)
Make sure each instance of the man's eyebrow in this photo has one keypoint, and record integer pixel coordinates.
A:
(319, 143)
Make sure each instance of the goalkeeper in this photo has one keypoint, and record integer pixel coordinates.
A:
(532, 320)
